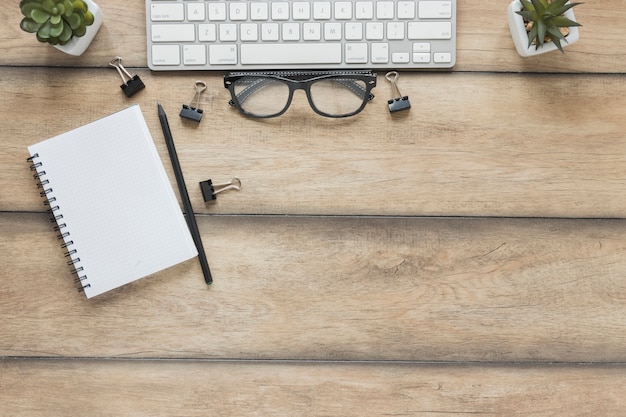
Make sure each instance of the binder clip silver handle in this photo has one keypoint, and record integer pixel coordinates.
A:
(131, 84)
(400, 102)
(210, 190)
(190, 111)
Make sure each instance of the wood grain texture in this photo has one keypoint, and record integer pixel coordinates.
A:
(336, 289)
(335, 293)
(466, 148)
(113, 388)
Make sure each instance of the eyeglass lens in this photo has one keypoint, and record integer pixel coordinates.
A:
(266, 97)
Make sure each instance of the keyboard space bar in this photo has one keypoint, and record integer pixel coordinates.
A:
(296, 53)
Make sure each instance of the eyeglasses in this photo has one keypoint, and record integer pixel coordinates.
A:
(330, 94)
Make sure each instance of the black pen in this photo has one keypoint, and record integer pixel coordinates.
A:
(178, 172)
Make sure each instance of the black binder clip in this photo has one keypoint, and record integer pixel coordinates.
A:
(132, 84)
(401, 102)
(189, 111)
(210, 190)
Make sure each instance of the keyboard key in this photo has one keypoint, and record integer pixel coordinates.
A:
(332, 31)
(249, 32)
(165, 55)
(314, 53)
(421, 47)
(435, 9)
(194, 55)
(174, 32)
(421, 58)
(259, 11)
(228, 32)
(400, 58)
(430, 30)
(312, 31)
(222, 54)
(238, 11)
(167, 12)
(217, 12)
(374, 31)
(291, 31)
(280, 10)
(343, 10)
(364, 10)
(384, 10)
(301, 10)
(321, 10)
(406, 10)
(380, 53)
(207, 32)
(442, 57)
(269, 32)
(395, 30)
(196, 12)
(356, 53)
(354, 31)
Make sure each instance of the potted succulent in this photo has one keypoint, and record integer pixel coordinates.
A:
(539, 26)
(68, 25)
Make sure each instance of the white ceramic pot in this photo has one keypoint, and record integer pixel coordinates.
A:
(76, 46)
(520, 36)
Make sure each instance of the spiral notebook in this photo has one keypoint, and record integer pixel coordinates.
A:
(111, 198)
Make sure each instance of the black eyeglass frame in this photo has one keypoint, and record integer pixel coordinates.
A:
(301, 80)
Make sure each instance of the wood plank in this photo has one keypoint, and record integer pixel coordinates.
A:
(484, 42)
(466, 148)
(332, 288)
(129, 388)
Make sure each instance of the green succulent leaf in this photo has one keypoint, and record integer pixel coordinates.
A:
(69, 9)
(558, 7)
(57, 29)
(44, 31)
(55, 19)
(89, 18)
(527, 5)
(74, 21)
(48, 5)
(29, 25)
(553, 32)
(557, 42)
(532, 34)
(66, 35)
(40, 15)
(528, 15)
(79, 5)
(541, 31)
(564, 22)
(539, 7)
(81, 30)
(27, 8)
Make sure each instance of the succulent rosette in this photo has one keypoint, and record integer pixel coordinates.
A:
(545, 21)
(55, 21)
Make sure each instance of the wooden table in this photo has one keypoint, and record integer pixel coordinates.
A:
(466, 257)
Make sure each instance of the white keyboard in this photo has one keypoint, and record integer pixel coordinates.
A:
(260, 35)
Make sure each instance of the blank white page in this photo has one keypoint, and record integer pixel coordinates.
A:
(117, 203)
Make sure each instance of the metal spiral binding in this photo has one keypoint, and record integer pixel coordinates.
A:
(56, 217)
